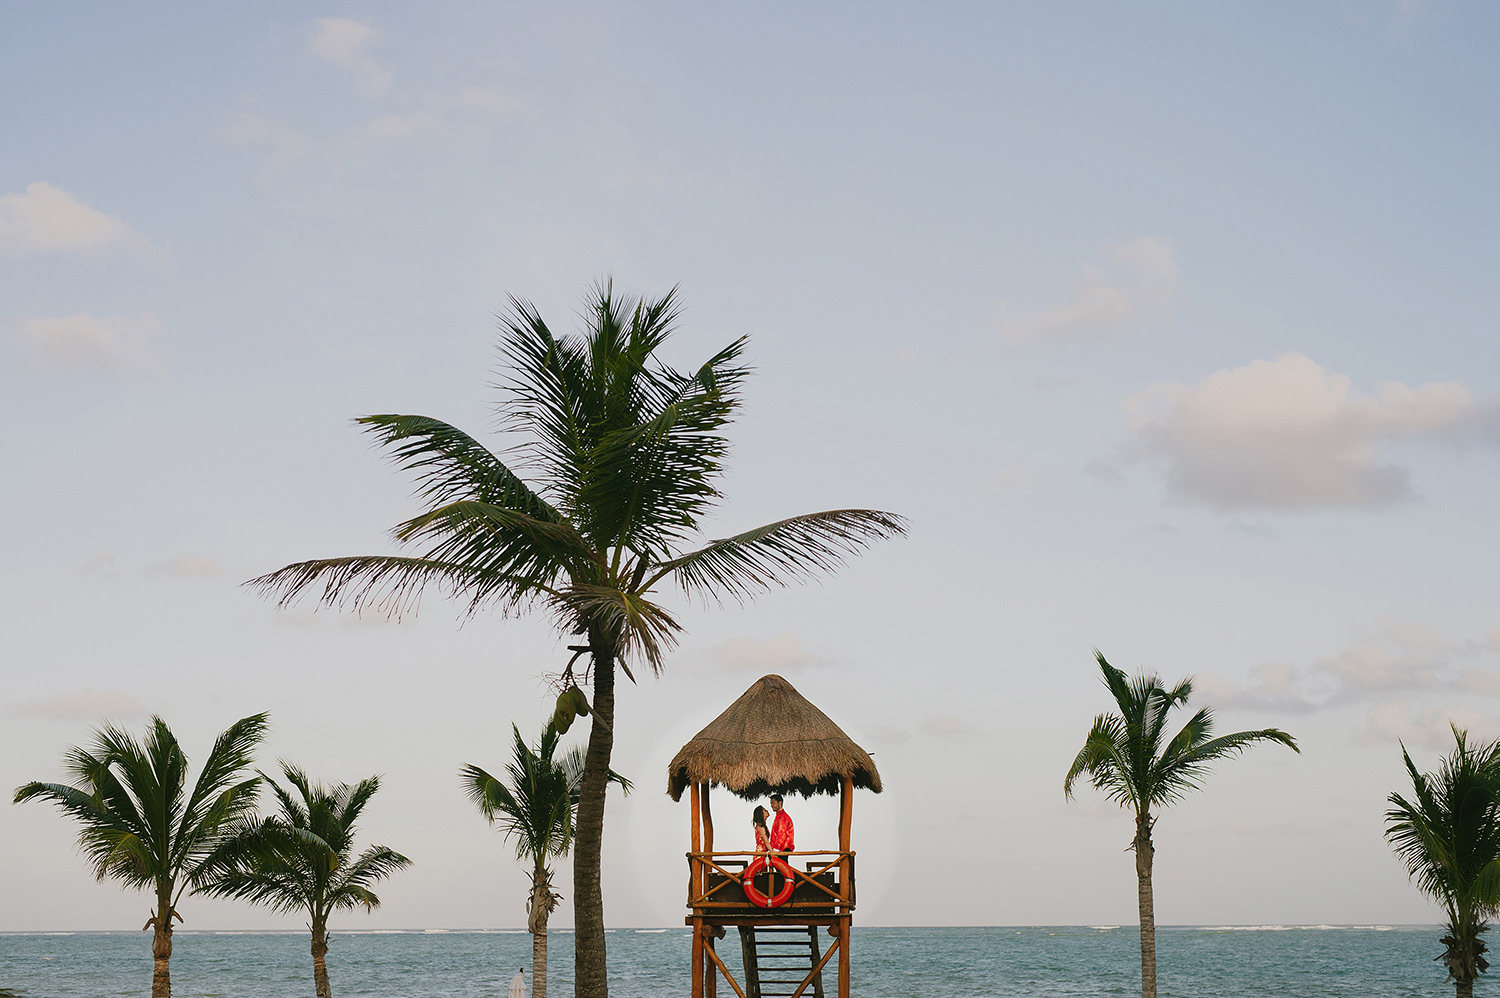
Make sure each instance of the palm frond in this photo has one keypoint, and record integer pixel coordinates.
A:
(639, 628)
(451, 465)
(299, 859)
(1124, 754)
(779, 553)
(388, 584)
(500, 542)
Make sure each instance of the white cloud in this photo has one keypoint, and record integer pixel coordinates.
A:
(189, 566)
(345, 43)
(1289, 433)
(1428, 727)
(780, 654)
(83, 705)
(45, 219)
(1141, 282)
(84, 342)
(488, 99)
(1275, 687)
(1400, 655)
(402, 126)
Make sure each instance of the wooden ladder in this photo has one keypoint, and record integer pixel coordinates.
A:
(777, 959)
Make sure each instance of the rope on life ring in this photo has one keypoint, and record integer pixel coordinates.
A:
(759, 899)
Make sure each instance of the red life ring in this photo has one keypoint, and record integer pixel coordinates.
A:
(752, 892)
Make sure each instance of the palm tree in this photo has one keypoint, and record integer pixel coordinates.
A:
(624, 453)
(535, 807)
(299, 859)
(1449, 837)
(1125, 757)
(139, 826)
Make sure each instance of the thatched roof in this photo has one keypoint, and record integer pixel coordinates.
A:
(772, 740)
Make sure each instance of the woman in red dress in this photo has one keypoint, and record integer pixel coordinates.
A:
(762, 834)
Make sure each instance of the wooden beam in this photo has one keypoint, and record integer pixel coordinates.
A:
(720, 964)
(818, 970)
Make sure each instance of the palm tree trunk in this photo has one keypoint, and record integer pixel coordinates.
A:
(320, 962)
(161, 945)
(1465, 989)
(539, 960)
(1144, 853)
(540, 910)
(590, 978)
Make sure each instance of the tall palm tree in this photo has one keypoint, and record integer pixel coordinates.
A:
(300, 859)
(624, 454)
(142, 827)
(1126, 757)
(535, 805)
(1448, 835)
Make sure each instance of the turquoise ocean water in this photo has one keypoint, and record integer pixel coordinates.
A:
(1194, 962)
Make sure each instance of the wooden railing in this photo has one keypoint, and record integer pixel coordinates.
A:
(824, 882)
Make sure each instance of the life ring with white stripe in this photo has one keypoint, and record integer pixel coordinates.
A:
(759, 898)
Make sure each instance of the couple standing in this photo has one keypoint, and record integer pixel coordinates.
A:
(781, 837)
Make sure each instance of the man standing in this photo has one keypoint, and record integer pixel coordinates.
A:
(518, 984)
(783, 836)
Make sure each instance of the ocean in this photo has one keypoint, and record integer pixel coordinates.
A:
(1038, 962)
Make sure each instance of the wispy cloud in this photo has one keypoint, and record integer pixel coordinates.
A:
(1428, 727)
(81, 705)
(932, 726)
(284, 145)
(1289, 433)
(84, 342)
(1140, 281)
(188, 566)
(402, 126)
(1393, 668)
(781, 653)
(97, 563)
(44, 219)
(341, 42)
(491, 99)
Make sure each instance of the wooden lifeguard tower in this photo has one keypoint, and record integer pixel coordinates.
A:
(770, 740)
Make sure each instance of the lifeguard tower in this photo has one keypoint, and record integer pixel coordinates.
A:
(770, 740)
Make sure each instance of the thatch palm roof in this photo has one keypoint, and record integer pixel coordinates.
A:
(772, 740)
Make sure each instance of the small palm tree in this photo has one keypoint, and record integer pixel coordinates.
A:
(299, 859)
(1448, 835)
(535, 805)
(622, 455)
(140, 827)
(1125, 757)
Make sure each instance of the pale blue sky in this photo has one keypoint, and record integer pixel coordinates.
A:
(1170, 328)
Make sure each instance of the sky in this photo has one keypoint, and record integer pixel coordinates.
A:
(1169, 327)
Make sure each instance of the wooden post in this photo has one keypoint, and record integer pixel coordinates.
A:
(846, 822)
(708, 823)
(695, 866)
(699, 958)
(710, 968)
(846, 882)
(844, 934)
